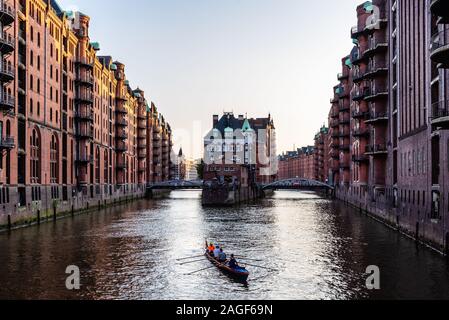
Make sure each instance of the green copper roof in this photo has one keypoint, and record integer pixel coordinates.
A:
(113, 66)
(368, 6)
(95, 45)
(348, 62)
(246, 126)
(127, 82)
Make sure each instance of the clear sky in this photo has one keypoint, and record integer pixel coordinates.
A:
(196, 58)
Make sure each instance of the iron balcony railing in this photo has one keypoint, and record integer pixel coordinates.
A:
(6, 143)
(7, 70)
(440, 109)
(7, 39)
(360, 158)
(85, 62)
(375, 45)
(85, 78)
(83, 158)
(7, 13)
(7, 101)
(85, 97)
(376, 148)
(84, 115)
(360, 93)
(360, 132)
(377, 116)
(440, 40)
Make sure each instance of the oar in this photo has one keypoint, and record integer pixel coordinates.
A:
(253, 265)
(189, 257)
(181, 264)
(243, 258)
(188, 274)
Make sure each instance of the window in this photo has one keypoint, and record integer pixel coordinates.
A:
(54, 160)
(35, 157)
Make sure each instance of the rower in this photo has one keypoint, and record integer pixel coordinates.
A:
(216, 252)
(211, 248)
(222, 256)
(233, 263)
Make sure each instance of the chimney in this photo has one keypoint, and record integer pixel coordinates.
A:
(215, 122)
(241, 118)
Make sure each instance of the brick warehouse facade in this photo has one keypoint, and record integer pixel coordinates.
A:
(297, 164)
(396, 137)
(73, 133)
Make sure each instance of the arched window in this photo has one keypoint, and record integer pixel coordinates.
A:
(54, 160)
(35, 157)
(106, 167)
(97, 165)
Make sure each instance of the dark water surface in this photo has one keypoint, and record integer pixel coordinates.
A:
(320, 249)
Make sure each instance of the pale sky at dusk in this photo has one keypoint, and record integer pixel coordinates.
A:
(196, 58)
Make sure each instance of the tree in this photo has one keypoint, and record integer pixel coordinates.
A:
(200, 170)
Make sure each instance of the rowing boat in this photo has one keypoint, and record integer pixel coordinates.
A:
(240, 274)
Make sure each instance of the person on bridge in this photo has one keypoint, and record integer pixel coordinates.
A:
(216, 251)
(222, 256)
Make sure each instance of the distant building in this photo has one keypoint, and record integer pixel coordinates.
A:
(179, 164)
(297, 164)
(241, 150)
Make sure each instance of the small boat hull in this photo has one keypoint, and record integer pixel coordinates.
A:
(237, 274)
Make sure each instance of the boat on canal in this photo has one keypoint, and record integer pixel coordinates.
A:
(240, 274)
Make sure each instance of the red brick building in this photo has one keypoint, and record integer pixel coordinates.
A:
(398, 139)
(297, 164)
(72, 131)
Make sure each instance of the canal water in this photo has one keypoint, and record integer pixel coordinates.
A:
(319, 249)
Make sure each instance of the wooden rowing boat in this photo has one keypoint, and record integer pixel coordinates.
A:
(240, 274)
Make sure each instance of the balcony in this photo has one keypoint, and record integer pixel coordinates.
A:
(440, 114)
(84, 97)
(344, 134)
(357, 31)
(84, 132)
(357, 76)
(121, 147)
(120, 165)
(376, 149)
(84, 62)
(7, 72)
(344, 121)
(344, 106)
(334, 114)
(357, 57)
(142, 154)
(142, 116)
(360, 158)
(375, 70)
(376, 93)
(376, 46)
(360, 94)
(342, 76)
(440, 8)
(357, 114)
(85, 79)
(334, 154)
(377, 117)
(121, 122)
(121, 135)
(142, 125)
(121, 110)
(7, 102)
(121, 98)
(84, 159)
(6, 143)
(344, 147)
(7, 43)
(157, 137)
(359, 133)
(334, 100)
(439, 49)
(7, 14)
(84, 115)
(334, 123)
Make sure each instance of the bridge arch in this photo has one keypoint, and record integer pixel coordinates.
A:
(298, 184)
